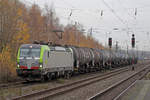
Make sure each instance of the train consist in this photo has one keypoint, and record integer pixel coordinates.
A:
(43, 61)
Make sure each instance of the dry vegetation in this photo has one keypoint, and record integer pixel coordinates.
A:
(20, 24)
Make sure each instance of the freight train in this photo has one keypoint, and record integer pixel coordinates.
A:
(43, 61)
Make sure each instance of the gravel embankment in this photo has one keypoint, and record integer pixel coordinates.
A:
(86, 92)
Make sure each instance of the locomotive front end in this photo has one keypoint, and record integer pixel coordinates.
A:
(28, 61)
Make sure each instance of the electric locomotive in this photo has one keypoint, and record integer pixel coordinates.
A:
(35, 61)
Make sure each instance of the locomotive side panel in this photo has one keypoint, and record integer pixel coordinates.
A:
(59, 61)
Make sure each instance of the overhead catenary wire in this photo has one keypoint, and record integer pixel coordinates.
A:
(125, 8)
(75, 8)
(113, 11)
(117, 16)
(92, 11)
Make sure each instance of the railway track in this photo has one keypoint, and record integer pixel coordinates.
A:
(25, 83)
(22, 83)
(19, 84)
(11, 84)
(111, 93)
(52, 92)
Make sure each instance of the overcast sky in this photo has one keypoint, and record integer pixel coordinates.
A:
(116, 14)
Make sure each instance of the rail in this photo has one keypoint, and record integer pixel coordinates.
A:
(44, 94)
(111, 92)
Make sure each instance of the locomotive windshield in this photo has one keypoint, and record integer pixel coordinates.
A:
(30, 52)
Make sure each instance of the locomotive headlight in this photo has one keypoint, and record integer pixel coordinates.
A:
(18, 66)
(41, 66)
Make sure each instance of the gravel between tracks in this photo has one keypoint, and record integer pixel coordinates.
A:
(86, 92)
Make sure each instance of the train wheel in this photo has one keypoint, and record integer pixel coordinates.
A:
(27, 80)
(67, 75)
(49, 76)
(42, 78)
(56, 75)
(86, 70)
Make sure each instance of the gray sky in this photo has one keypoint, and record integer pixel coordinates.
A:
(116, 14)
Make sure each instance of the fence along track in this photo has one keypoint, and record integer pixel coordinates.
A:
(44, 94)
(112, 92)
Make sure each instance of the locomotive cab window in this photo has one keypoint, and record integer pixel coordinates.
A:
(30, 52)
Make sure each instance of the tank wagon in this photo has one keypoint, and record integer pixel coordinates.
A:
(86, 59)
(43, 61)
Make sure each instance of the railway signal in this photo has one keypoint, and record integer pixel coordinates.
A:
(133, 41)
(110, 42)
